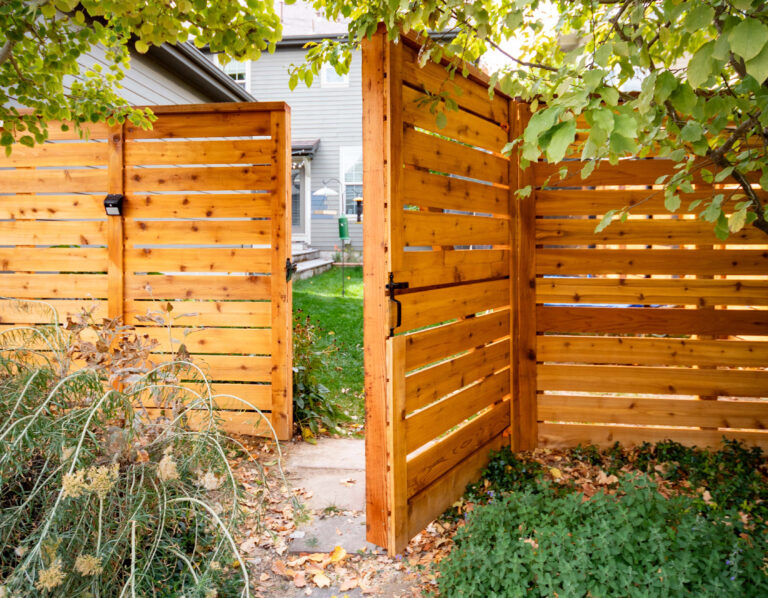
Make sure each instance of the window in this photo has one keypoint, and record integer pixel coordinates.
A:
(330, 78)
(239, 72)
(351, 177)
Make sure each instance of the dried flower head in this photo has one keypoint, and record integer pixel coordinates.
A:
(212, 593)
(209, 480)
(88, 564)
(51, 577)
(73, 484)
(102, 479)
(215, 566)
(20, 551)
(66, 453)
(166, 469)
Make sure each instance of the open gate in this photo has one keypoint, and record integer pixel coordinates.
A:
(204, 227)
(439, 318)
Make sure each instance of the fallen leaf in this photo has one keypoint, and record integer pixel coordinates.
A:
(321, 580)
(348, 482)
(348, 584)
(279, 568)
(338, 554)
(299, 580)
(555, 473)
(264, 576)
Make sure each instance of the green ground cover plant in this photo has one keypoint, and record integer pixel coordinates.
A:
(339, 336)
(97, 497)
(653, 520)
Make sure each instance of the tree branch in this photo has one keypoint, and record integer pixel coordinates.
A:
(5, 51)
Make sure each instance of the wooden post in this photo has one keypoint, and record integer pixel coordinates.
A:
(523, 304)
(397, 532)
(115, 233)
(282, 304)
(380, 130)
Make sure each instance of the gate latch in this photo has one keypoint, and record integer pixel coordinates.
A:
(290, 269)
(393, 286)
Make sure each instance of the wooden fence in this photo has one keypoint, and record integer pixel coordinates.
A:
(204, 228)
(516, 319)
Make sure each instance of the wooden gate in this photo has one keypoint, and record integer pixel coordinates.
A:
(204, 228)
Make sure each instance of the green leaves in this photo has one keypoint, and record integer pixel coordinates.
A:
(562, 135)
(699, 18)
(702, 65)
(748, 38)
(758, 66)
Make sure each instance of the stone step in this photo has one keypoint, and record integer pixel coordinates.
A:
(310, 268)
(304, 255)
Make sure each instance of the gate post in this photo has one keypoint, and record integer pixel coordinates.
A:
(523, 285)
(282, 304)
(115, 234)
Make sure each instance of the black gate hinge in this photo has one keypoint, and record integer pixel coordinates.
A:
(393, 286)
(290, 269)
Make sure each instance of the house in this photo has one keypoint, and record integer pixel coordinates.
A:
(326, 130)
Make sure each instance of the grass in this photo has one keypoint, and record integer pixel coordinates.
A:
(341, 319)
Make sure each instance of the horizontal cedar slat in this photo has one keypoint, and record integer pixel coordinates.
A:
(54, 181)
(31, 207)
(427, 386)
(640, 232)
(429, 190)
(434, 306)
(436, 460)
(568, 435)
(651, 351)
(424, 229)
(709, 262)
(589, 202)
(236, 368)
(428, 268)
(434, 153)
(626, 172)
(93, 259)
(433, 421)
(444, 491)
(254, 341)
(255, 395)
(62, 286)
(652, 380)
(198, 232)
(25, 232)
(248, 423)
(437, 344)
(652, 291)
(640, 320)
(225, 151)
(207, 205)
(23, 312)
(197, 260)
(198, 178)
(89, 131)
(57, 154)
(652, 412)
(226, 124)
(205, 313)
(197, 287)
(461, 125)
(470, 95)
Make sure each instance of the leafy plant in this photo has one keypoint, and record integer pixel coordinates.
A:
(113, 475)
(634, 543)
(313, 411)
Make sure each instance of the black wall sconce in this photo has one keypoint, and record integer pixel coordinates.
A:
(113, 204)
(359, 208)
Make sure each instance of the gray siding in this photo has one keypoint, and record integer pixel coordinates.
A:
(333, 115)
(147, 83)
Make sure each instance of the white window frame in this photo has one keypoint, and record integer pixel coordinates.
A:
(326, 84)
(342, 178)
(246, 63)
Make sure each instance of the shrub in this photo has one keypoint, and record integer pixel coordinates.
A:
(313, 410)
(634, 543)
(105, 488)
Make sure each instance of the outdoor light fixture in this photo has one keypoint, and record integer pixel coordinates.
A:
(113, 204)
(359, 208)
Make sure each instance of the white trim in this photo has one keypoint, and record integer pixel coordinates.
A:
(306, 236)
(343, 189)
(246, 63)
(325, 84)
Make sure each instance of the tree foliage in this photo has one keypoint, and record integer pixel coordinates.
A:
(683, 79)
(43, 42)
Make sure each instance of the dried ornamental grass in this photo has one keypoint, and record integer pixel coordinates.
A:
(96, 497)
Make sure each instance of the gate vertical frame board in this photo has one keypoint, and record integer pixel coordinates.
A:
(205, 228)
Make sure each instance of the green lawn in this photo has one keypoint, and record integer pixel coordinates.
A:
(341, 319)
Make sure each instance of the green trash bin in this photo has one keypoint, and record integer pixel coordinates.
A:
(343, 228)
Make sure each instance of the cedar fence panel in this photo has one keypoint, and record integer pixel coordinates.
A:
(204, 228)
(519, 320)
